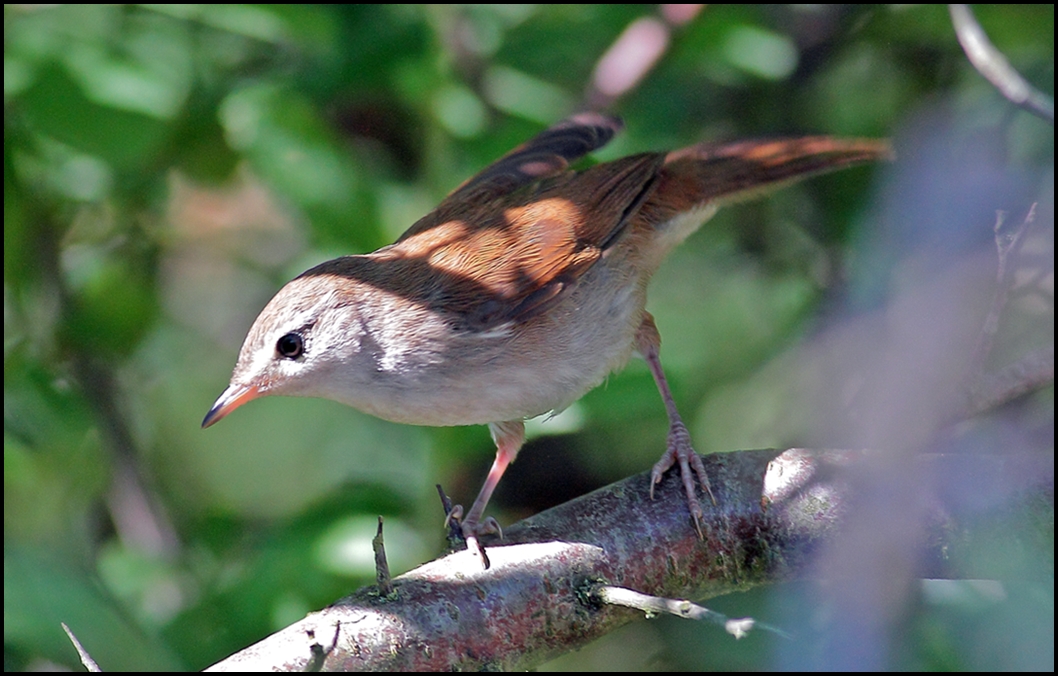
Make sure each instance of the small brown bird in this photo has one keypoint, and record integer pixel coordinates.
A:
(519, 293)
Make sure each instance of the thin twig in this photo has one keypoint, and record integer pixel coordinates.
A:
(1008, 246)
(991, 63)
(626, 62)
(382, 576)
(455, 533)
(86, 659)
(653, 605)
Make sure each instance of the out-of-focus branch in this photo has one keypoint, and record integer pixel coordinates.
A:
(634, 54)
(991, 63)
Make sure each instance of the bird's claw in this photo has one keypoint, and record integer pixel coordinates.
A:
(472, 529)
(680, 451)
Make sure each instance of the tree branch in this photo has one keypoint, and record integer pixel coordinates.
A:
(535, 602)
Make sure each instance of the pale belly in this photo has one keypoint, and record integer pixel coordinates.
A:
(514, 372)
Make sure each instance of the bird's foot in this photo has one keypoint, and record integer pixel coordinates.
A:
(471, 529)
(680, 451)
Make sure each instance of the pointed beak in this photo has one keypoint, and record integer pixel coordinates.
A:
(232, 398)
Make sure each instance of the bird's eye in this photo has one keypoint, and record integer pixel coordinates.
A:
(290, 346)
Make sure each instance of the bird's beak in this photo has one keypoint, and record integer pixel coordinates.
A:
(232, 398)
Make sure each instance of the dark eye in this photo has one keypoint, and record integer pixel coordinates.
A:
(290, 346)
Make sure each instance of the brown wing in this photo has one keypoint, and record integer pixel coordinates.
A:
(507, 243)
(547, 154)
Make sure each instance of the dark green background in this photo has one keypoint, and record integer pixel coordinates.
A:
(166, 170)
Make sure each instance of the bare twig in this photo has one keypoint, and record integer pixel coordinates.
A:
(86, 659)
(455, 534)
(634, 54)
(385, 585)
(653, 605)
(1008, 245)
(991, 63)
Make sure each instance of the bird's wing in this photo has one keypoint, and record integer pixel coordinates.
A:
(507, 243)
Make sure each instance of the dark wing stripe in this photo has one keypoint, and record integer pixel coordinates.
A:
(546, 154)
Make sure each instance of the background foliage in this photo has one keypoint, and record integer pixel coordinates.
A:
(167, 168)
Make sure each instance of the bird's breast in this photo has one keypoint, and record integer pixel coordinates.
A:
(522, 369)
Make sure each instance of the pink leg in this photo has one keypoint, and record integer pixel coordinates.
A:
(509, 437)
(648, 342)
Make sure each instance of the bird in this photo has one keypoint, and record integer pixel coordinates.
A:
(523, 290)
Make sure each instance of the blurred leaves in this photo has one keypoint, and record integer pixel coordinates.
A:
(166, 168)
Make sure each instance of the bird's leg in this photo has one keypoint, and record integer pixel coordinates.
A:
(509, 437)
(648, 343)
